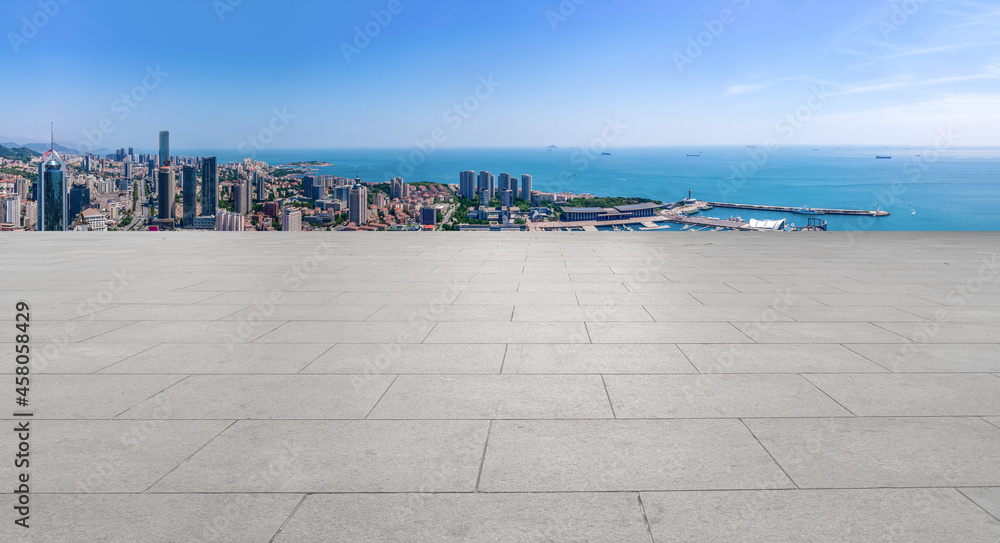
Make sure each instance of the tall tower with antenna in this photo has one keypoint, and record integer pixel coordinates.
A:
(53, 204)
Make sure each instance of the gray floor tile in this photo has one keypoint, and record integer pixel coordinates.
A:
(849, 314)
(468, 518)
(779, 300)
(665, 332)
(914, 395)
(516, 298)
(883, 452)
(933, 358)
(618, 455)
(581, 313)
(956, 314)
(987, 498)
(592, 358)
(348, 332)
(100, 456)
(277, 297)
(872, 299)
(193, 358)
(409, 358)
(337, 456)
(820, 516)
(305, 312)
(64, 332)
(167, 312)
(188, 332)
(265, 397)
(93, 396)
(956, 332)
(637, 298)
(715, 313)
(443, 313)
(509, 332)
(718, 396)
(818, 332)
(778, 358)
(130, 518)
(494, 397)
(77, 357)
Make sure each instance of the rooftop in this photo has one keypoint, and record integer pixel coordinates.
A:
(622, 387)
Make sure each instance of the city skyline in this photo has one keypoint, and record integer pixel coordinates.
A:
(885, 73)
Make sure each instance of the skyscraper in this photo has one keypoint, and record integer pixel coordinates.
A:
(291, 220)
(79, 199)
(165, 191)
(484, 198)
(258, 183)
(12, 211)
(467, 184)
(128, 171)
(52, 194)
(22, 189)
(209, 187)
(525, 187)
(164, 148)
(506, 198)
(189, 192)
(358, 205)
(243, 196)
(486, 181)
(503, 183)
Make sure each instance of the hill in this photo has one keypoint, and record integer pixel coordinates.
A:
(20, 153)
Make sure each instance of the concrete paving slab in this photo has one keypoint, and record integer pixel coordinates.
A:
(593, 358)
(818, 332)
(305, 312)
(665, 332)
(76, 357)
(237, 358)
(509, 332)
(90, 396)
(187, 332)
(620, 455)
(467, 518)
(443, 313)
(494, 397)
(954, 358)
(882, 452)
(150, 518)
(821, 516)
(914, 395)
(347, 332)
(265, 397)
(934, 332)
(849, 313)
(409, 358)
(987, 498)
(581, 313)
(167, 312)
(778, 358)
(337, 456)
(714, 313)
(718, 396)
(101, 456)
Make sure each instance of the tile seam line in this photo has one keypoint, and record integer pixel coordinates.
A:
(166, 388)
(192, 455)
(827, 394)
(974, 502)
(482, 460)
(847, 346)
(773, 459)
(310, 363)
(645, 518)
(113, 364)
(288, 518)
(384, 392)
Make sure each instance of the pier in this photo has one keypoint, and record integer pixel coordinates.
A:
(816, 211)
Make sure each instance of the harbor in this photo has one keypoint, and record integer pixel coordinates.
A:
(798, 210)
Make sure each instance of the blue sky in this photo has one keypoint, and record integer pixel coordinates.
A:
(854, 72)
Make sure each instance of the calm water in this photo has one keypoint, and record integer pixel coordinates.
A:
(923, 189)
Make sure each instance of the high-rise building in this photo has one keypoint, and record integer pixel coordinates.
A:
(30, 215)
(484, 198)
(164, 148)
(189, 193)
(12, 211)
(86, 163)
(536, 199)
(525, 187)
(128, 170)
(428, 216)
(258, 183)
(79, 199)
(506, 198)
(240, 195)
(381, 200)
(486, 181)
(358, 205)
(209, 187)
(396, 187)
(229, 222)
(467, 184)
(291, 220)
(52, 194)
(21, 186)
(307, 183)
(342, 193)
(165, 193)
(131, 153)
(503, 183)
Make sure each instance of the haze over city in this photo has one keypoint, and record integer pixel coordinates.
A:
(384, 74)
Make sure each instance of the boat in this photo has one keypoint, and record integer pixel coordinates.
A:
(694, 155)
(606, 154)
(883, 157)
(805, 210)
(690, 212)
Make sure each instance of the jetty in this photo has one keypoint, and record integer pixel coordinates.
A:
(811, 211)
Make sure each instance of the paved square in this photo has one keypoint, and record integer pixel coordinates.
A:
(593, 387)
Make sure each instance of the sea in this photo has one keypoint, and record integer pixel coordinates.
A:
(953, 189)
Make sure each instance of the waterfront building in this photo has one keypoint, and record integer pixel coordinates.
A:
(467, 184)
(291, 220)
(258, 183)
(484, 197)
(504, 183)
(189, 191)
(164, 148)
(526, 187)
(52, 194)
(619, 213)
(396, 188)
(209, 186)
(165, 193)
(358, 205)
(486, 181)
(506, 198)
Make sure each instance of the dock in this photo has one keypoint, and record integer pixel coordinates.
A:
(876, 213)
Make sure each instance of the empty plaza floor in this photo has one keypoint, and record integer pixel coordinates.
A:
(585, 387)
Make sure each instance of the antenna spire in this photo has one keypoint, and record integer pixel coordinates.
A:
(52, 131)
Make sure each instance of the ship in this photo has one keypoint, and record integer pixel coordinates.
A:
(805, 210)
(883, 157)
(606, 154)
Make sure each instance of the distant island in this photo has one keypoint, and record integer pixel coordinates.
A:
(551, 147)
(315, 163)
